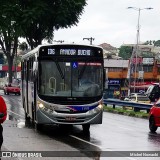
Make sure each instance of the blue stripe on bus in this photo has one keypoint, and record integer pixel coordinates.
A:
(82, 108)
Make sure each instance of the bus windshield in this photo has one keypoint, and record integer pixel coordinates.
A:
(70, 79)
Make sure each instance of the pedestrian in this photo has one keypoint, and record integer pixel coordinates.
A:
(3, 116)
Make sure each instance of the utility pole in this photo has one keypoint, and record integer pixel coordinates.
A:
(59, 41)
(89, 39)
(135, 52)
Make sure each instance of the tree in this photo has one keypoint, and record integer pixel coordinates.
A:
(8, 32)
(34, 20)
(157, 43)
(125, 52)
(40, 18)
(149, 42)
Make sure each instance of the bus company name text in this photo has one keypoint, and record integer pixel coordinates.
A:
(81, 52)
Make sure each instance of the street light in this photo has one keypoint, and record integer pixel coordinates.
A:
(139, 11)
(89, 39)
(137, 42)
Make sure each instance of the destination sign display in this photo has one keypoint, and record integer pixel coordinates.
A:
(83, 52)
(70, 51)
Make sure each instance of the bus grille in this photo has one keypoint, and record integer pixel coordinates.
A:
(70, 111)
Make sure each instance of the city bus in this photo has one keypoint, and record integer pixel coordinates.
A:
(63, 84)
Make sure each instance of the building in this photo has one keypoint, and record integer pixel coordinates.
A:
(4, 70)
(118, 71)
(4, 67)
(116, 74)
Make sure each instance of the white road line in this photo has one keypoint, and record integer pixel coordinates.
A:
(15, 113)
(84, 141)
(130, 158)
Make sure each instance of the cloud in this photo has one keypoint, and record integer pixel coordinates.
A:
(111, 22)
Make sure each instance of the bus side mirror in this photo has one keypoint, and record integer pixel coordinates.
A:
(35, 69)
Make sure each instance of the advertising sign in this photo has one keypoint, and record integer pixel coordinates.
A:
(149, 61)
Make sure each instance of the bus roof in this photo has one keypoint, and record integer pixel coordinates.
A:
(63, 44)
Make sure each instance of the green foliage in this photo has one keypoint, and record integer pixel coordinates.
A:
(9, 31)
(120, 110)
(40, 18)
(34, 20)
(157, 43)
(153, 42)
(147, 54)
(125, 52)
(149, 42)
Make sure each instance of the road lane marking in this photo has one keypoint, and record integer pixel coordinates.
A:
(15, 113)
(130, 158)
(84, 141)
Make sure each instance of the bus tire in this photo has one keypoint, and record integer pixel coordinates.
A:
(152, 125)
(38, 126)
(33, 115)
(86, 128)
(27, 120)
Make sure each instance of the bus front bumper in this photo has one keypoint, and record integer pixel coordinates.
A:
(93, 116)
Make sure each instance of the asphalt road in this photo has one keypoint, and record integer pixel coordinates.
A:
(117, 133)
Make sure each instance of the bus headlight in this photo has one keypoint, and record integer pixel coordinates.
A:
(40, 105)
(97, 109)
(100, 106)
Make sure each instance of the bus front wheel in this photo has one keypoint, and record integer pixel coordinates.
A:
(27, 120)
(86, 128)
(38, 126)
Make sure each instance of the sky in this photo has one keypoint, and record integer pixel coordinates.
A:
(109, 21)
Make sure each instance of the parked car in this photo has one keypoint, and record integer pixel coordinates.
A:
(12, 88)
(138, 97)
(154, 117)
(153, 92)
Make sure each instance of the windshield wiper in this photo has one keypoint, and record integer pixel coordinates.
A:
(59, 69)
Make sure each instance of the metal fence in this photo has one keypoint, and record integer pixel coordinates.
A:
(136, 106)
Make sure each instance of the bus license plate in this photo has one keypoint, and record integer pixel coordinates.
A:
(70, 118)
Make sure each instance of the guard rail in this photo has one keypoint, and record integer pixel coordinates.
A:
(136, 106)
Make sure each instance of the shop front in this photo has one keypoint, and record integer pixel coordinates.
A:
(113, 90)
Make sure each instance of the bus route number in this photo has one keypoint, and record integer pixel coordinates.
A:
(51, 51)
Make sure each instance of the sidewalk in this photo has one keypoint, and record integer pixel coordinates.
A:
(21, 139)
(8, 127)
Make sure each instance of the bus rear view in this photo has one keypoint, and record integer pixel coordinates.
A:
(68, 85)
